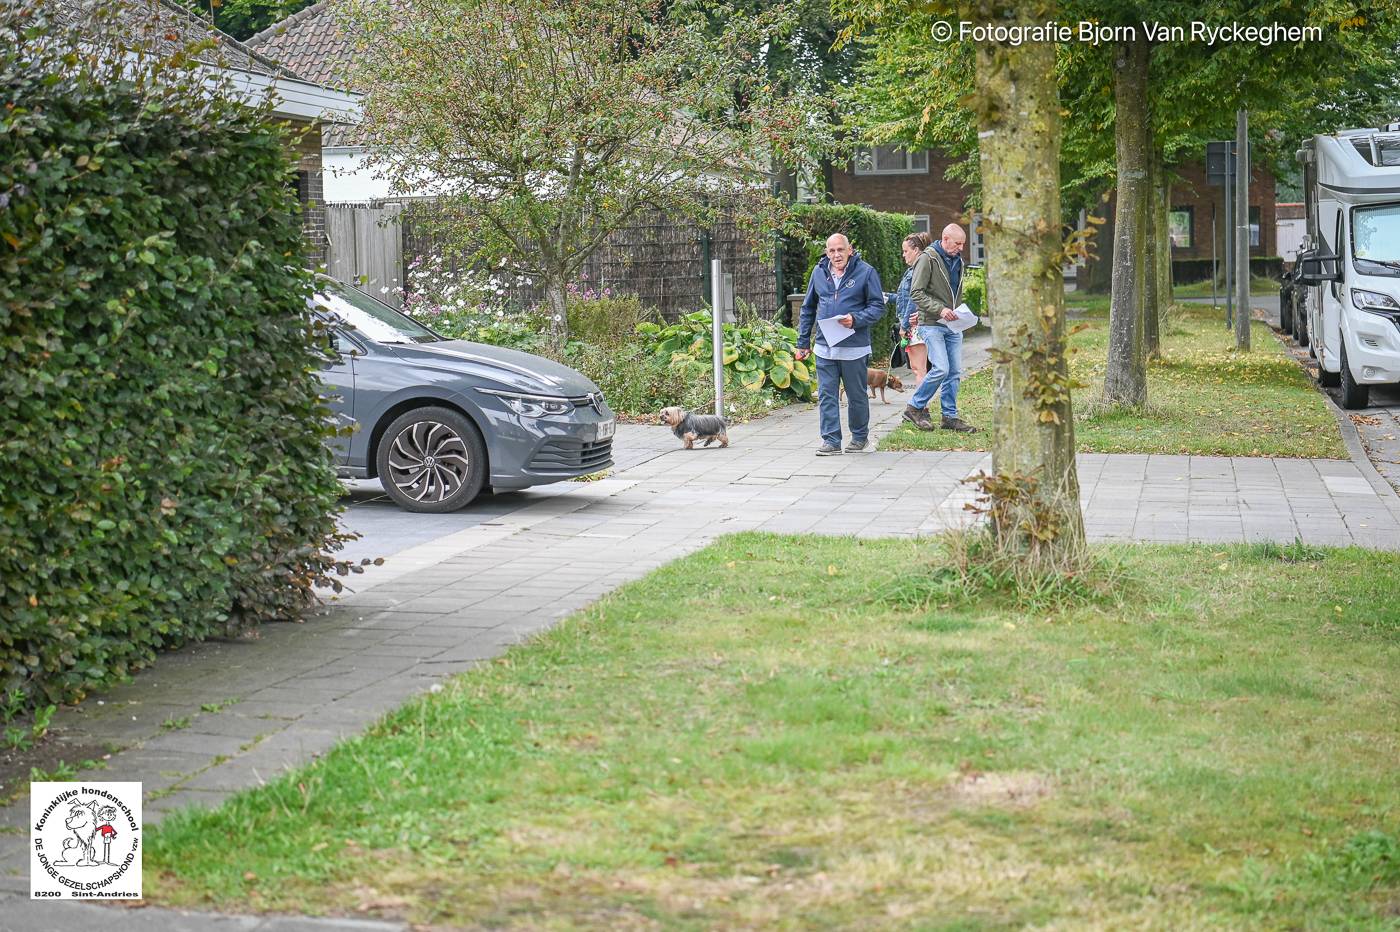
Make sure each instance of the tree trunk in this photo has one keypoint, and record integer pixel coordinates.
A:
(1151, 310)
(1126, 381)
(1098, 272)
(1164, 243)
(1035, 492)
(1242, 281)
(555, 289)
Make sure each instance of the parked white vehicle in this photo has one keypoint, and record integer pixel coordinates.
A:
(1350, 267)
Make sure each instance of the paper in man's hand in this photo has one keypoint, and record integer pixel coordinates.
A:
(964, 321)
(833, 331)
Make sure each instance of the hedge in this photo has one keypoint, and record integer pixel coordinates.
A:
(165, 476)
(878, 237)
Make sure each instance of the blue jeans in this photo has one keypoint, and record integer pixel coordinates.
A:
(944, 369)
(830, 374)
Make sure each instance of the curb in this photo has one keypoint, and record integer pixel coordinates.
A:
(1351, 437)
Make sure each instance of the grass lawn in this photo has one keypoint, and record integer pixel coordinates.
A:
(1257, 285)
(1203, 398)
(810, 733)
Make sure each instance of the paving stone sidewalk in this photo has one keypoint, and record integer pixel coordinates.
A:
(439, 608)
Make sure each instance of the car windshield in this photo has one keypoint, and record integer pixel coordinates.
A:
(376, 320)
(1376, 239)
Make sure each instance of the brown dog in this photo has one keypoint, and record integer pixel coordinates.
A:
(881, 379)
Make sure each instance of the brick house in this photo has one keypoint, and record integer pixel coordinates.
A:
(892, 179)
(163, 27)
(895, 180)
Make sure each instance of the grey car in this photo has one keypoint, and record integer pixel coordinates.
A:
(438, 420)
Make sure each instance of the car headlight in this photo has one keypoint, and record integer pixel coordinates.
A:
(527, 405)
(1374, 301)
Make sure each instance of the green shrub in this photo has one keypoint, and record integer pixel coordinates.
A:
(878, 237)
(638, 385)
(498, 326)
(758, 353)
(975, 290)
(604, 318)
(161, 432)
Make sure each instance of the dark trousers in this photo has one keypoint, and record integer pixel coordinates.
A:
(830, 374)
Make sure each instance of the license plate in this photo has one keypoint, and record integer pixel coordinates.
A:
(607, 429)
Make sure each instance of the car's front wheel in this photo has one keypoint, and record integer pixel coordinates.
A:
(1353, 395)
(432, 460)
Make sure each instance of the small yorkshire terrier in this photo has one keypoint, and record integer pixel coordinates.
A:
(693, 427)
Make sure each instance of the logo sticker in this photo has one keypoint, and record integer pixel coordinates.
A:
(85, 841)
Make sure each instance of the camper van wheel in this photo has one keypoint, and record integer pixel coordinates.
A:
(1353, 396)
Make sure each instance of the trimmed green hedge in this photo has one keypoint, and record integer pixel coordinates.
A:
(163, 476)
(878, 238)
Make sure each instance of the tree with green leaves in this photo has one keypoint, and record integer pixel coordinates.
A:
(1002, 99)
(242, 18)
(546, 126)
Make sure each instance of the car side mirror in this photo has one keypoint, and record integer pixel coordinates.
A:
(1316, 267)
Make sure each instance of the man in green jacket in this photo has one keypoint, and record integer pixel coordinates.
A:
(936, 290)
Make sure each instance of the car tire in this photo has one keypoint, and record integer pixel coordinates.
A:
(1285, 310)
(1300, 323)
(431, 460)
(1353, 395)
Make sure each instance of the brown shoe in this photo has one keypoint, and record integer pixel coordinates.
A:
(959, 425)
(917, 417)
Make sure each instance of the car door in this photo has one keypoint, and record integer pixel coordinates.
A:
(1329, 330)
(339, 380)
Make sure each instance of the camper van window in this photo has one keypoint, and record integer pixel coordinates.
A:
(1375, 240)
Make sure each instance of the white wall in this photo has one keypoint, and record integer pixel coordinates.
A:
(1290, 238)
(347, 180)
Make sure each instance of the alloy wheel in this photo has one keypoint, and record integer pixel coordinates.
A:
(428, 462)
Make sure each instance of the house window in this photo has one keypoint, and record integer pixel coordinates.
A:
(890, 160)
(1254, 226)
(920, 223)
(1181, 222)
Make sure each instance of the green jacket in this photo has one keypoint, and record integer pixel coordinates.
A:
(931, 289)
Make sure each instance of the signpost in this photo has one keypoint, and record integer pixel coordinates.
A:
(1220, 171)
(717, 283)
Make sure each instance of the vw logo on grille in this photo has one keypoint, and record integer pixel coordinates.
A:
(596, 399)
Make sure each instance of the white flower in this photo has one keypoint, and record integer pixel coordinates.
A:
(557, 318)
(731, 409)
(768, 402)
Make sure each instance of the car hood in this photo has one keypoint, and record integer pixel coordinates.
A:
(512, 369)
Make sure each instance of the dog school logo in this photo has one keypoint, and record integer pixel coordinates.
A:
(85, 841)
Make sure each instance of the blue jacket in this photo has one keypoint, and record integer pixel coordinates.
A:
(860, 296)
(903, 300)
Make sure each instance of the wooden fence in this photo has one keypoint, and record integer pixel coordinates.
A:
(662, 261)
(365, 248)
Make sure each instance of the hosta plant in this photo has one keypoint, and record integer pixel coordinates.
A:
(757, 352)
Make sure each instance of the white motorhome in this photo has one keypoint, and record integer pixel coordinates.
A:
(1350, 266)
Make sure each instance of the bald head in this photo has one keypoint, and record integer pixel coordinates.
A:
(953, 239)
(838, 251)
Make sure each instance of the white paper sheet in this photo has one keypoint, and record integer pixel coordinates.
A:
(964, 321)
(833, 331)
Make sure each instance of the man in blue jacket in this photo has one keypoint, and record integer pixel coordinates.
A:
(844, 287)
